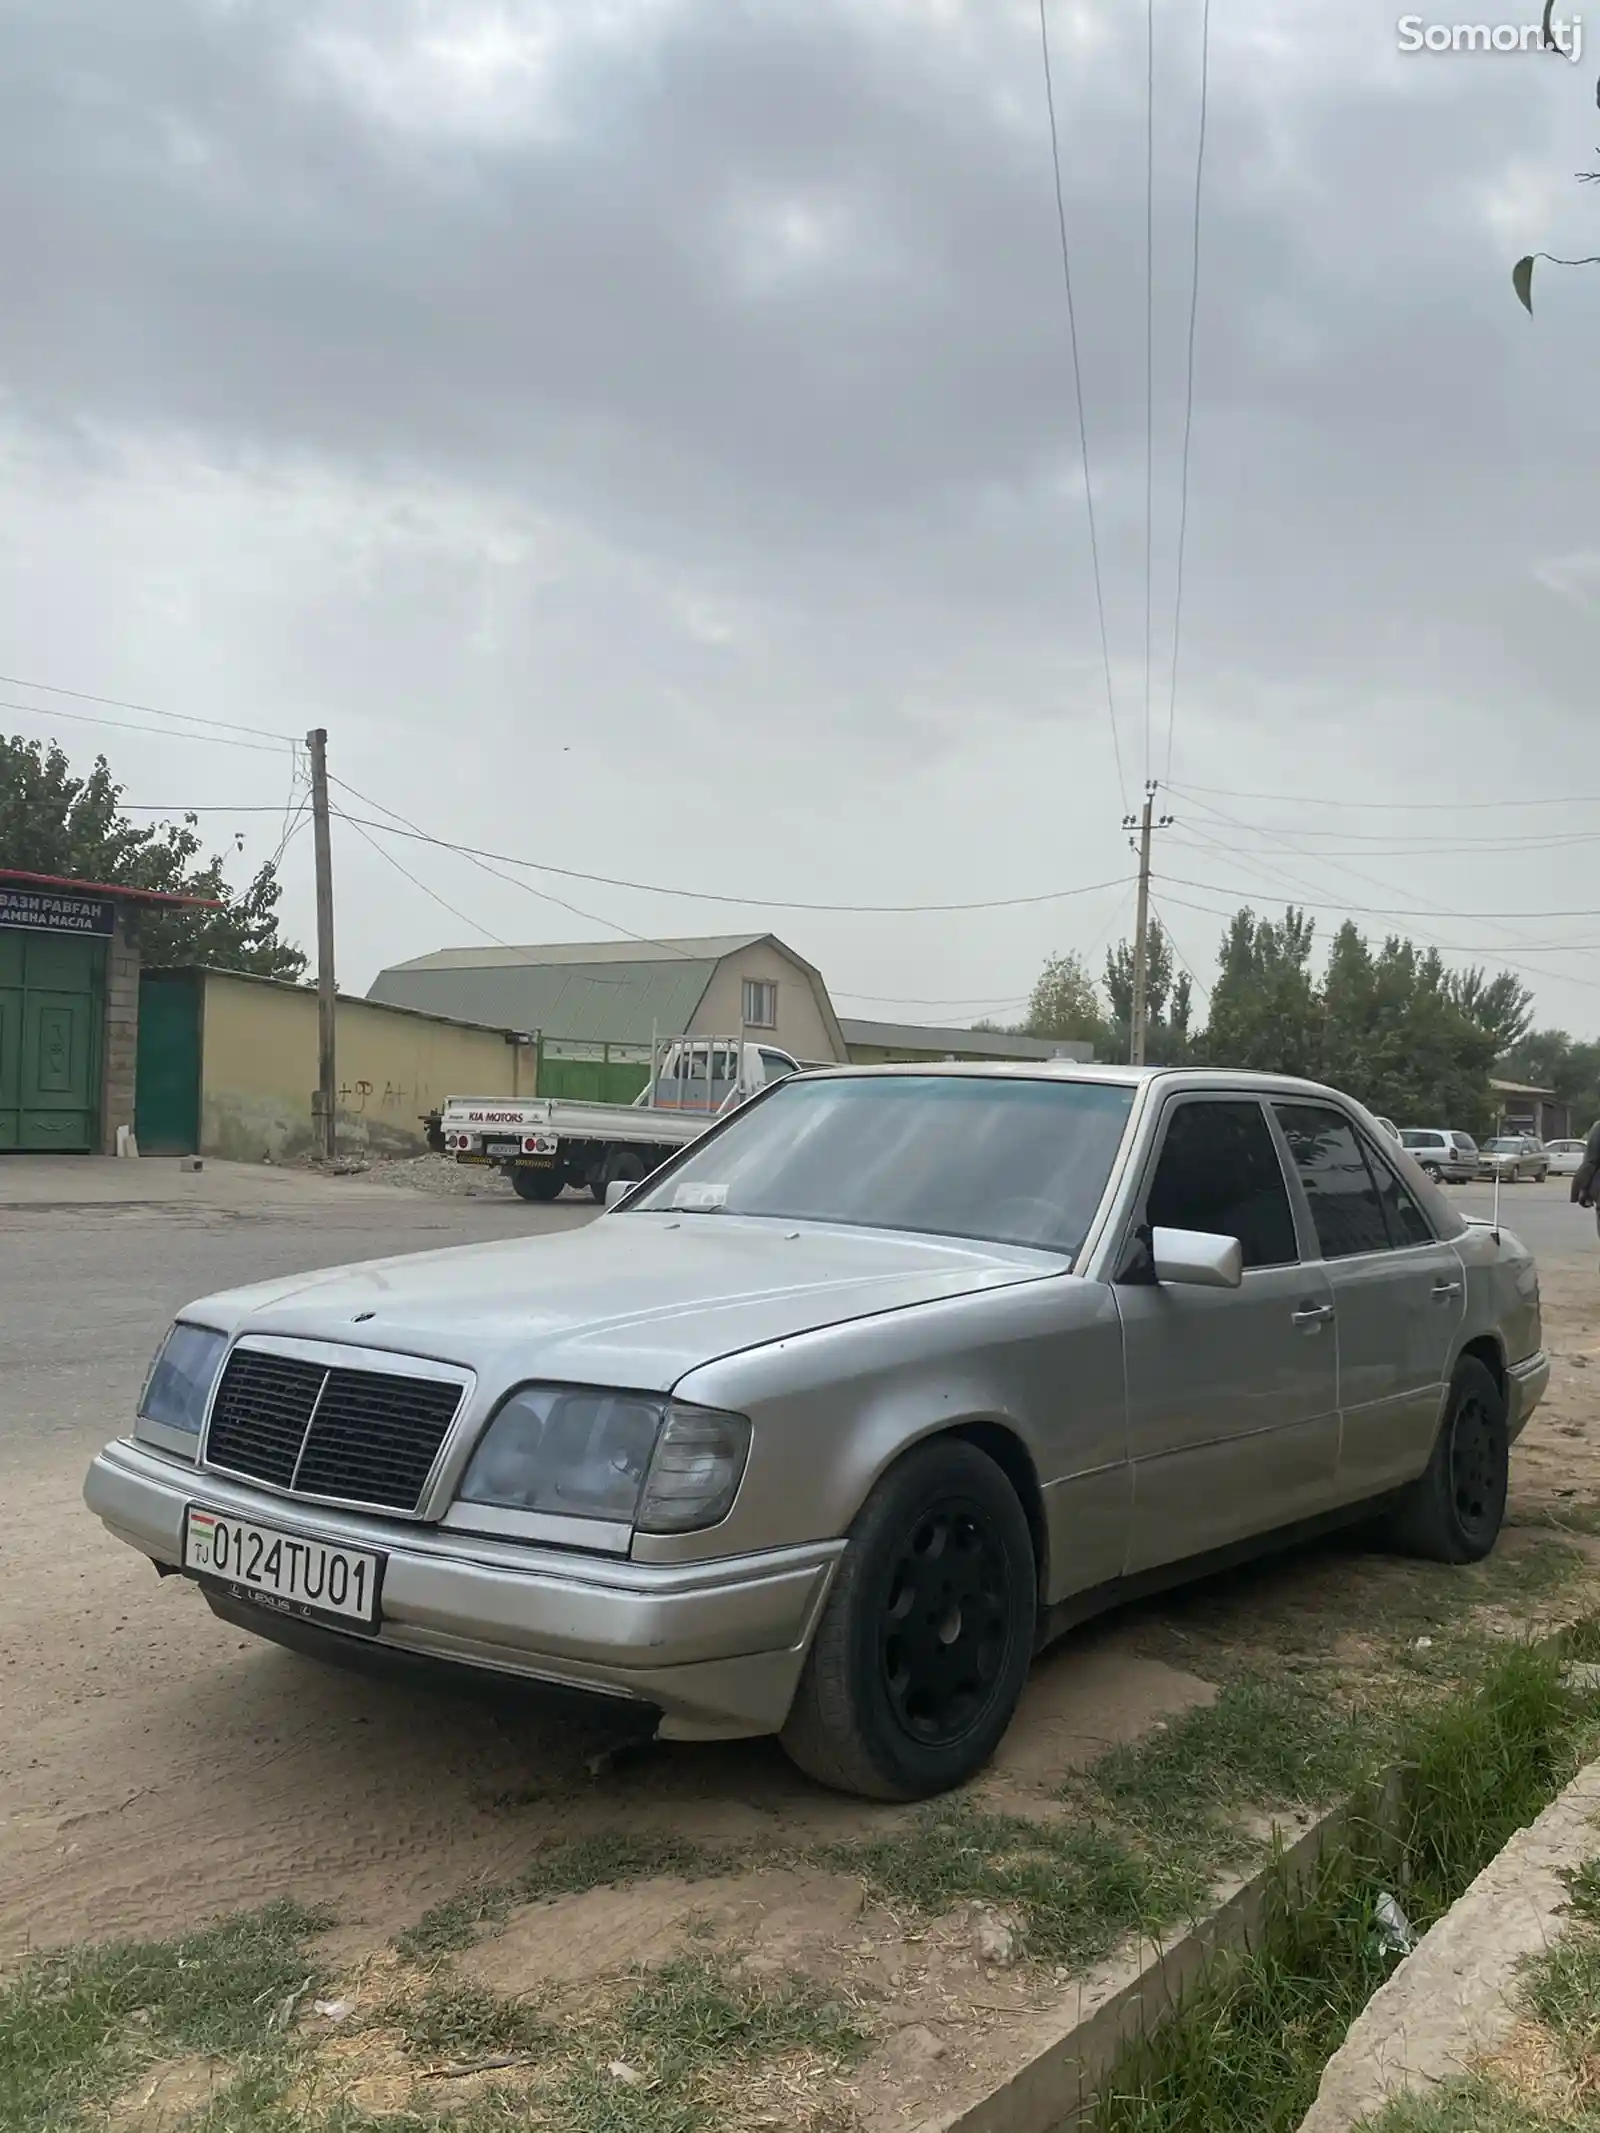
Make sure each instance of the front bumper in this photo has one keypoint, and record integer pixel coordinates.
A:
(716, 1648)
(1525, 1388)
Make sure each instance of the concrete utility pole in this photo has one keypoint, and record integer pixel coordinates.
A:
(1144, 823)
(327, 994)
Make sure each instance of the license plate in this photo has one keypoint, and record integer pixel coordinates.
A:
(502, 1147)
(308, 1578)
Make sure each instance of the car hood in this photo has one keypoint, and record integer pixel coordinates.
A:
(631, 1299)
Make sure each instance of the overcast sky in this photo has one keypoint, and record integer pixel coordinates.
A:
(643, 433)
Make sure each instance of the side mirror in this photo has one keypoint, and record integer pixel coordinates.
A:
(618, 1189)
(1194, 1259)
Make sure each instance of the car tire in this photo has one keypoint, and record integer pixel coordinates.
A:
(915, 1670)
(622, 1163)
(538, 1184)
(1433, 1171)
(1453, 1512)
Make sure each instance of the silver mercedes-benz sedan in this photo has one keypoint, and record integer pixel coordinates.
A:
(826, 1426)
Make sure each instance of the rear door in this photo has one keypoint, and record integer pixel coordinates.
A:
(1398, 1293)
(1233, 1424)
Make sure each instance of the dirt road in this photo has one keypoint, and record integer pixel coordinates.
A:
(155, 1768)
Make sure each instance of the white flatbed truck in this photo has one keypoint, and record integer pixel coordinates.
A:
(545, 1143)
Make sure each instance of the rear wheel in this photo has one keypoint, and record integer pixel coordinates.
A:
(622, 1164)
(537, 1184)
(921, 1655)
(1453, 1512)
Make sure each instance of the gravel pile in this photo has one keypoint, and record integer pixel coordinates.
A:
(439, 1174)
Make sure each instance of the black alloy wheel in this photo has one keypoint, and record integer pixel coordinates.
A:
(924, 1646)
(1453, 1511)
(1477, 1467)
(945, 1622)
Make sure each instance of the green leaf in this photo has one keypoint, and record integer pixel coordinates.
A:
(1522, 282)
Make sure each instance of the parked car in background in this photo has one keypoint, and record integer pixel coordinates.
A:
(1442, 1153)
(1566, 1157)
(890, 1376)
(1387, 1125)
(1511, 1157)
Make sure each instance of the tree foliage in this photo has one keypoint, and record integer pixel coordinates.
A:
(1391, 1025)
(1169, 1000)
(1064, 1003)
(52, 822)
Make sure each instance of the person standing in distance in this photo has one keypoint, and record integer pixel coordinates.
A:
(1587, 1175)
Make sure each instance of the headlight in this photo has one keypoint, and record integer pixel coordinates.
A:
(181, 1377)
(621, 1456)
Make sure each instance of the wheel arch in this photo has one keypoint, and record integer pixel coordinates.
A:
(1001, 1443)
(1486, 1349)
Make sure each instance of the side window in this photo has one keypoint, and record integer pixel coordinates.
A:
(1219, 1171)
(1344, 1201)
(774, 1067)
(1407, 1223)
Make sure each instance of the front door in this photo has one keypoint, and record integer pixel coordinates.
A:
(1399, 1294)
(49, 1041)
(1233, 1416)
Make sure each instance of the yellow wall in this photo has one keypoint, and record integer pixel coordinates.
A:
(801, 1029)
(258, 1068)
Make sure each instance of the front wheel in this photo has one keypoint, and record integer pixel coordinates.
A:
(916, 1668)
(1433, 1171)
(1453, 1512)
(537, 1184)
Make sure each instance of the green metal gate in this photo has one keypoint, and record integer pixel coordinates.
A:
(166, 1118)
(52, 992)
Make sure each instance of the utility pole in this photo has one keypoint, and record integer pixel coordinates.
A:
(327, 995)
(1139, 1020)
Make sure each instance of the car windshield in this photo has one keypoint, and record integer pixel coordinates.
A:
(958, 1155)
(1506, 1145)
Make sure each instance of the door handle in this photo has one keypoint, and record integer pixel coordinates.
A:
(1447, 1288)
(1312, 1315)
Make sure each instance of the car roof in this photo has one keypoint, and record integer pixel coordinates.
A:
(1199, 1078)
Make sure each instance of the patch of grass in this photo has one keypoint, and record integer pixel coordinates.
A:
(1565, 1515)
(456, 2022)
(1478, 2106)
(700, 2011)
(1301, 1604)
(1246, 2051)
(567, 1866)
(74, 2026)
(1482, 1767)
(1075, 1890)
(1273, 1744)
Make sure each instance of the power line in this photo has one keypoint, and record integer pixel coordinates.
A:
(1292, 799)
(390, 860)
(1077, 387)
(1149, 351)
(123, 725)
(1188, 389)
(1392, 910)
(710, 896)
(1172, 939)
(120, 703)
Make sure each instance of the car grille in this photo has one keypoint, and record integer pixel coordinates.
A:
(361, 1436)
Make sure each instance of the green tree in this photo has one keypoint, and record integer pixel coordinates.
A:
(1065, 1004)
(1265, 1012)
(1169, 1000)
(1550, 1059)
(54, 823)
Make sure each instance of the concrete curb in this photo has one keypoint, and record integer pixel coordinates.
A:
(1115, 2007)
(1454, 1996)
